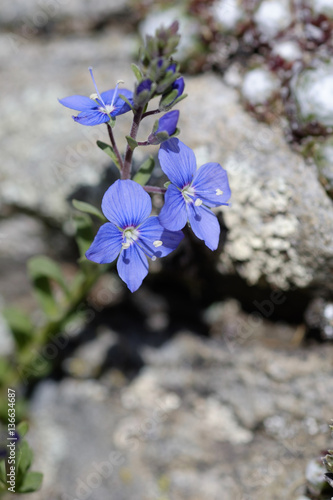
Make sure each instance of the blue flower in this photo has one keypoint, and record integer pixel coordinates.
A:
(192, 192)
(131, 233)
(99, 108)
(166, 127)
(179, 85)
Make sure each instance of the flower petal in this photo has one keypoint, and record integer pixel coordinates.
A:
(91, 118)
(173, 213)
(132, 266)
(211, 185)
(165, 241)
(106, 246)
(177, 161)
(120, 105)
(168, 122)
(204, 224)
(78, 102)
(126, 203)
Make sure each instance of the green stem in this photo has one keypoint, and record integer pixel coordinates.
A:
(154, 189)
(126, 171)
(149, 113)
(114, 145)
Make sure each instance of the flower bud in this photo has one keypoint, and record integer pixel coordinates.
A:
(164, 128)
(143, 93)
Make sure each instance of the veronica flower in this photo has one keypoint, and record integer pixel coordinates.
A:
(192, 192)
(131, 233)
(166, 126)
(98, 108)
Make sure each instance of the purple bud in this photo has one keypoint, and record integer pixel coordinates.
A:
(172, 68)
(167, 124)
(144, 85)
(179, 85)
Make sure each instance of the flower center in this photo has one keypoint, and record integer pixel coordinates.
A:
(107, 109)
(130, 235)
(188, 192)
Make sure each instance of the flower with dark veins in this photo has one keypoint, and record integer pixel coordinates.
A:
(98, 108)
(192, 192)
(131, 233)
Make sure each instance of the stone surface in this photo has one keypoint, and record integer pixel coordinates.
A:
(36, 14)
(46, 155)
(201, 417)
(272, 16)
(313, 93)
(259, 86)
(227, 14)
(280, 218)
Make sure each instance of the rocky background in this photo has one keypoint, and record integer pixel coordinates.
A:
(214, 380)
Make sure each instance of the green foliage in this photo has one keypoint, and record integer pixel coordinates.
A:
(131, 142)
(137, 72)
(109, 151)
(84, 232)
(145, 170)
(126, 100)
(89, 209)
(21, 327)
(43, 271)
(25, 480)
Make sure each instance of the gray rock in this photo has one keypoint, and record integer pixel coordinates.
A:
(272, 16)
(312, 92)
(259, 86)
(280, 218)
(321, 7)
(46, 155)
(33, 15)
(196, 419)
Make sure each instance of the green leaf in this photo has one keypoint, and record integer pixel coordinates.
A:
(84, 232)
(20, 325)
(180, 98)
(4, 368)
(42, 271)
(144, 173)
(137, 72)
(22, 428)
(168, 99)
(131, 142)
(3, 471)
(109, 151)
(31, 482)
(89, 209)
(126, 100)
(24, 459)
(44, 267)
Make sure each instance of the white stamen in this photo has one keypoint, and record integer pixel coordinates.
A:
(188, 192)
(219, 192)
(157, 243)
(198, 202)
(95, 85)
(126, 245)
(115, 94)
(153, 258)
(94, 96)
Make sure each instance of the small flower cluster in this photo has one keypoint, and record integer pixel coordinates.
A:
(132, 234)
